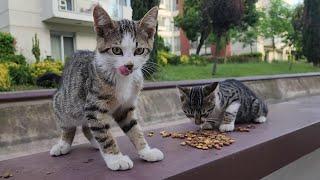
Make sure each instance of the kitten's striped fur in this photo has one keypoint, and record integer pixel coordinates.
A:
(107, 82)
(222, 104)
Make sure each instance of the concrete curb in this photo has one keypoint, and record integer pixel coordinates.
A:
(27, 120)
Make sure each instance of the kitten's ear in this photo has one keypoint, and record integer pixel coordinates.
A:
(208, 89)
(183, 90)
(102, 20)
(149, 22)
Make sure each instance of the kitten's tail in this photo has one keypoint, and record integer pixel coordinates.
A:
(48, 80)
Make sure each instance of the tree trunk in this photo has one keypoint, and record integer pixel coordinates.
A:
(203, 37)
(273, 47)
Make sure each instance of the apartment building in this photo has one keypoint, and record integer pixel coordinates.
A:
(62, 26)
(168, 9)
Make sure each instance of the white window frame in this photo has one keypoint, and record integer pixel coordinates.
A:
(62, 35)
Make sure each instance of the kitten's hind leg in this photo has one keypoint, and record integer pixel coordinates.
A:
(87, 133)
(229, 118)
(64, 144)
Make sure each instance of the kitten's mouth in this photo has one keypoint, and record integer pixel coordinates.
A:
(199, 121)
(125, 70)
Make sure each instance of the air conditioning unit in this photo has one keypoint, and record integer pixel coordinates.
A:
(63, 5)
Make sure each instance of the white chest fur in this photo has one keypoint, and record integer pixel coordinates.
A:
(127, 89)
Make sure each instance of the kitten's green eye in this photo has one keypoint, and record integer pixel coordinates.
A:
(139, 51)
(117, 51)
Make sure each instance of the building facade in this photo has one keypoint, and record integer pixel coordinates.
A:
(168, 9)
(62, 26)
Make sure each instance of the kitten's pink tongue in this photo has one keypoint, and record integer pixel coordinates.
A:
(124, 70)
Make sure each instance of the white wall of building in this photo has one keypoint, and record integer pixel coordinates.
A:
(23, 19)
(4, 15)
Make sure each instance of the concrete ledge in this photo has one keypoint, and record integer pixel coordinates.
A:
(286, 136)
(28, 116)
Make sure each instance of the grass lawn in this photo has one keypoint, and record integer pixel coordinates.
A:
(190, 72)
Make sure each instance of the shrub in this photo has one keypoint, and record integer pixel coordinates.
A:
(184, 59)
(36, 48)
(198, 60)
(4, 77)
(20, 74)
(163, 57)
(48, 80)
(38, 69)
(7, 44)
(242, 58)
(161, 45)
(11, 58)
(174, 59)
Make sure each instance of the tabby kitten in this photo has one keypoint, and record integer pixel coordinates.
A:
(107, 82)
(222, 104)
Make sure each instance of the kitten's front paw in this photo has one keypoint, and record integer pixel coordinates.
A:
(226, 127)
(151, 155)
(206, 126)
(260, 119)
(94, 143)
(61, 148)
(117, 161)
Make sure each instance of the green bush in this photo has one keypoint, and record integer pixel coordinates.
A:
(20, 74)
(242, 58)
(7, 44)
(11, 58)
(161, 45)
(174, 60)
(38, 69)
(198, 60)
(4, 78)
(162, 57)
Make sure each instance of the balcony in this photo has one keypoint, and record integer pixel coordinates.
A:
(79, 12)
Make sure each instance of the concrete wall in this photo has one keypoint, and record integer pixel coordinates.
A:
(31, 120)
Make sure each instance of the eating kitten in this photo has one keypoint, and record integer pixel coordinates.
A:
(107, 82)
(222, 105)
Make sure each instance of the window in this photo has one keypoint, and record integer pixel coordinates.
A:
(66, 5)
(62, 45)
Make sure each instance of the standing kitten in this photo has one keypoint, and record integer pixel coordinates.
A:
(107, 81)
(222, 104)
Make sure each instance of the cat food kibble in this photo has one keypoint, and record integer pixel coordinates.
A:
(202, 139)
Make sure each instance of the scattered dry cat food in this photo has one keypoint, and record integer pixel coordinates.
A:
(165, 134)
(202, 139)
(7, 174)
(250, 126)
(242, 129)
(151, 133)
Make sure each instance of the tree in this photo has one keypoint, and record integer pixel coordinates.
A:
(276, 22)
(295, 36)
(194, 22)
(248, 37)
(311, 31)
(139, 9)
(200, 14)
